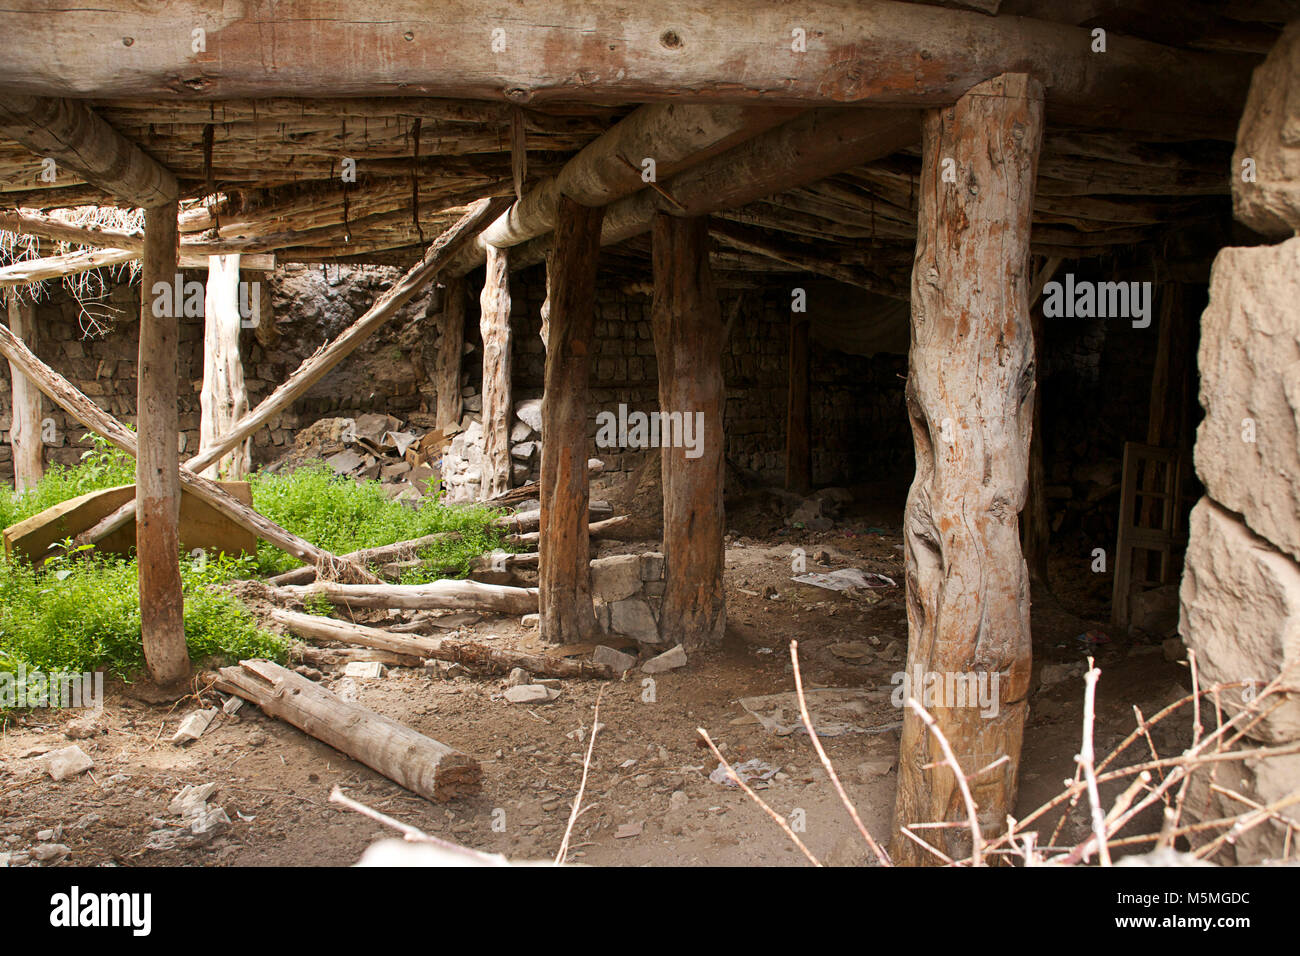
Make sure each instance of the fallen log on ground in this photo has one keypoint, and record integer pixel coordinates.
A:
(463, 595)
(532, 520)
(419, 763)
(596, 529)
(497, 659)
(329, 657)
(533, 490)
(496, 561)
(398, 551)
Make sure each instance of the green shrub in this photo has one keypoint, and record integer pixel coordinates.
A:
(81, 613)
(102, 466)
(342, 515)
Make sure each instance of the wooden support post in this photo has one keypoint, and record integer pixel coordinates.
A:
(1166, 412)
(494, 323)
(1036, 530)
(451, 350)
(157, 468)
(688, 332)
(25, 425)
(224, 399)
(567, 615)
(1036, 535)
(970, 394)
(798, 418)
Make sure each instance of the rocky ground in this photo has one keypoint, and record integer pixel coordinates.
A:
(649, 798)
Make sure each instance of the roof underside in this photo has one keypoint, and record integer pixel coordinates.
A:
(268, 175)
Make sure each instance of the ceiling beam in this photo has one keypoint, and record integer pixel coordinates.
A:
(874, 52)
(818, 144)
(675, 136)
(76, 139)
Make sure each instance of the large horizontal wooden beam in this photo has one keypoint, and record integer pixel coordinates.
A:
(671, 135)
(818, 144)
(876, 52)
(75, 138)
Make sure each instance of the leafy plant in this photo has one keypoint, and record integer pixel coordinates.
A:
(343, 515)
(102, 466)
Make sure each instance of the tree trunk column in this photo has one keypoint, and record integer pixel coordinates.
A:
(970, 398)
(494, 324)
(25, 427)
(224, 399)
(451, 351)
(157, 467)
(567, 616)
(688, 332)
(798, 419)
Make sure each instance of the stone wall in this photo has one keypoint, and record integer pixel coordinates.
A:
(303, 307)
(860, 430)
(1240, 593)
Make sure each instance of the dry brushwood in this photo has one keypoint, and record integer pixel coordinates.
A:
(1149, 781)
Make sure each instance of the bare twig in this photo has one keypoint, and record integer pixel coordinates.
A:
(977, 838)
(414, 834)
(881, 855)
(1085, 760)
(582, 786)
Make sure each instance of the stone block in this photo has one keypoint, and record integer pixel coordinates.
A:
(1248, 445)
(1240, 613)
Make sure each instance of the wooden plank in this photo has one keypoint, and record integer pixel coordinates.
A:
(419, 763)
(970, 399)
(688, 335)
(157, 479)
(25, 425)
(69, 133)
(856, 51)
(498, 409)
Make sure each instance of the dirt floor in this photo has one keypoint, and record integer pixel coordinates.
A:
(649, 799)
